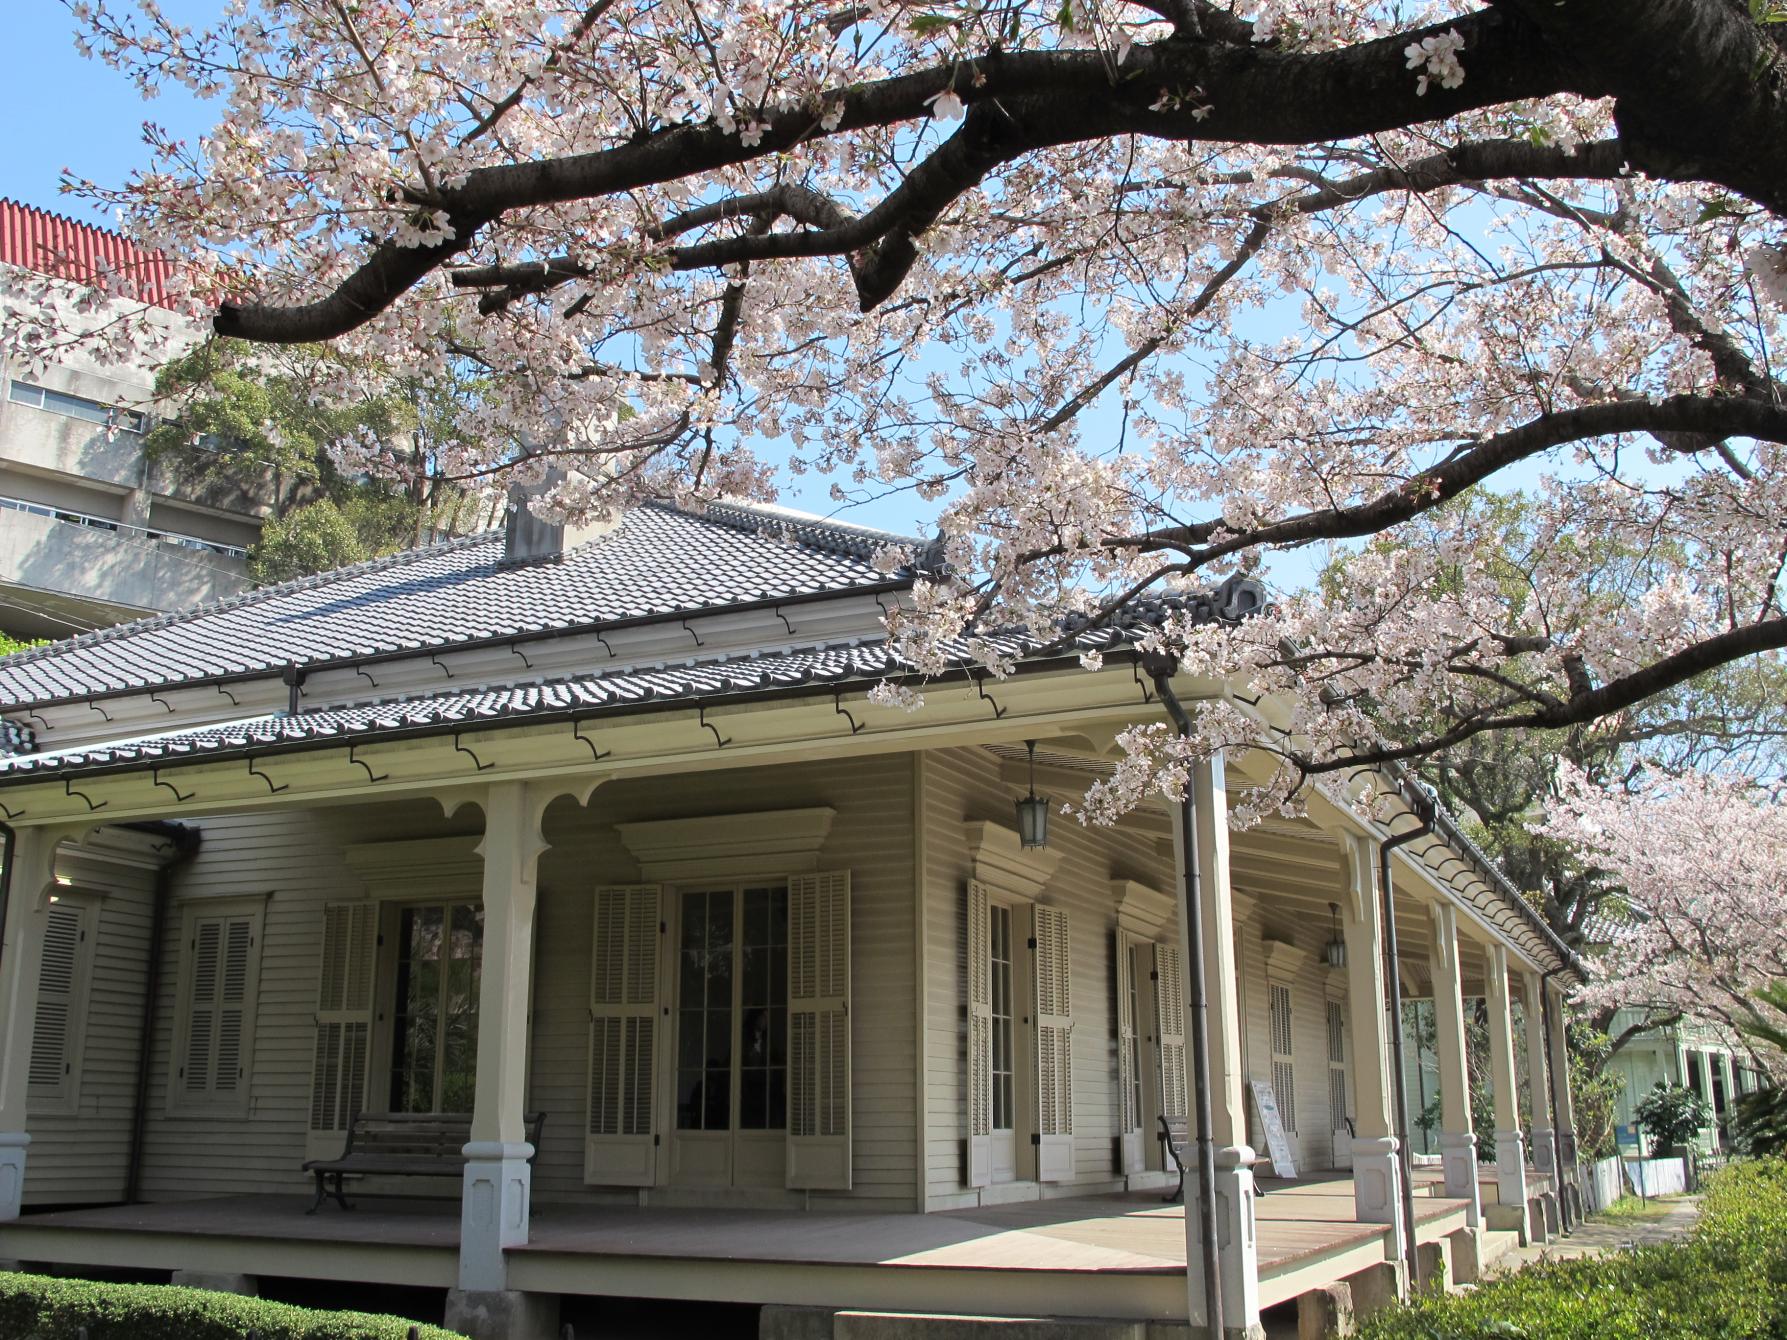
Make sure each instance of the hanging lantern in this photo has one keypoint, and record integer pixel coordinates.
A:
(1335, 950)
(1033, 810)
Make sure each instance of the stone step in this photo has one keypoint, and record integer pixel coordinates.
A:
(1497, 1243)
(936, 1326)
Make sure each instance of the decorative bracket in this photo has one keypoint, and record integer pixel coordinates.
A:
(272, 790)
(980, 687)
(701, 711)
(157, 698)
(784, 618)
(42, 721)
(605, 646)
(480, 766)
(10, 813)
(360, 762)
(226, 693)
(595, 755)
(692, 633)
(363, 675)
(439, 665)
(68, 790)
(155, 776)
(837, 702)
(1135, 669)
(97, 708)
(523, 655)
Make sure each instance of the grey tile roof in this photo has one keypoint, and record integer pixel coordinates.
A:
(592, 695)
(658, 561)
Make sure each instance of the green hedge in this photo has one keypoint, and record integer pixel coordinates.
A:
(37, 1307)
(1728, 1281)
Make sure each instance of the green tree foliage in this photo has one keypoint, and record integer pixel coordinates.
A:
(255, 416)
(1594, 1091)
(1759, 1119)
(9, 645)
(1672, 1115)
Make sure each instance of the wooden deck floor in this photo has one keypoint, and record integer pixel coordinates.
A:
(1118, 1255)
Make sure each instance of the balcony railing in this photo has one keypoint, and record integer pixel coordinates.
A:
(167, 537)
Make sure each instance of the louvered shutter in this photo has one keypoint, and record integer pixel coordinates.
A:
(619, 1139)
(343, 1024)
(819, 1031)
(1169, 1011)
(1338, 1107)
(60, 994)
(1054, 1045)
(1129, 1116)
(980, 1036)
(1284, 1070)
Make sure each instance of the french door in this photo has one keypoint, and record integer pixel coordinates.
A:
(731, 1043)
(1005, 1041)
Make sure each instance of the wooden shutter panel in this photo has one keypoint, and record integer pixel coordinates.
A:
(980, 1036)
(1054, 1044)
(819, 1031)
(1129, 1117)
(343, 1024)
(1169, 1011)
(60, 993)
(620, 1137)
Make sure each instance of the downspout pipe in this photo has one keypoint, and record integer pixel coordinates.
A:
(1400, 1083)
(12, 847)
(1551, 1061)
(185, 840)
(1160, 669)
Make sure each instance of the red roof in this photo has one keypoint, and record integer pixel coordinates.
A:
(35, 239)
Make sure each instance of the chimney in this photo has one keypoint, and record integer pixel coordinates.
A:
(527, 539)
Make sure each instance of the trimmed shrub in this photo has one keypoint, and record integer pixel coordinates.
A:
(1727, 1282)
(38, 1307)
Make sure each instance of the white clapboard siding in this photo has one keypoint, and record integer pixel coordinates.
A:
(961, 786)
(623, 1014)
(1052, 975)
(343, 1025)
(819, 1031)
(81, 1155)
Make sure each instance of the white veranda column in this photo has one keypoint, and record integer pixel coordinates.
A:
(1566, 1101)
(1237, 1239)
(32, 857)
(1510, 1148)
(1377, 1166)
(498, 1180)
(1458, 1141)
(1538, 1076)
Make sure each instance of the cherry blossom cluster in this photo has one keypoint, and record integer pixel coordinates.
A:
(1702, 921)
(1112, 366)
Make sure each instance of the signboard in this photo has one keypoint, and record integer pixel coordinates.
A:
(1277, 1145)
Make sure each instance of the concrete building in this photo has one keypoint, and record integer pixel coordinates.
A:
(93, 533)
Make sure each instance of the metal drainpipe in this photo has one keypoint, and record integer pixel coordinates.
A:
(1557, 1134)
(186, 845)
(12, 846)
(1160, 669)
(1396, 1058)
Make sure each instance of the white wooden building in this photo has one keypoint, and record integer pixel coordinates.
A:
(610, 831)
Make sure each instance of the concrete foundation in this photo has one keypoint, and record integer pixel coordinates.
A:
(1375, 1288)
(1325, 1313)
(778, 1321)
(929, 1326)
(217, 1282)
(502, 1314)
(1467, 1255)
(1433, 1265)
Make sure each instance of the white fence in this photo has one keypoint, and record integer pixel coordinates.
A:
(1610, 1179)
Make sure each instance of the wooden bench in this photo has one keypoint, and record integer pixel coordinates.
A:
(402, 1144)
(1175, 1138)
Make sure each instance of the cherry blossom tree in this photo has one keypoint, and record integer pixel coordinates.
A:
(1136, 293)
(1701, 861)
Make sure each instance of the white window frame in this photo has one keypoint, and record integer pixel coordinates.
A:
(192, 911)
(64, 1098)
(388, 920)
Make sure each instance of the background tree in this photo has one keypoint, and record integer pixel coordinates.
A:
(1672, 1116)
(350, 478)
(1138, 294)
(1759, 1118)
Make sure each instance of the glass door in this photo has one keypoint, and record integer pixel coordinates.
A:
(731, 1037)
(434, 1018)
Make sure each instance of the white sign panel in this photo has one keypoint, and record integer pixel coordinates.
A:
(1277, 1144)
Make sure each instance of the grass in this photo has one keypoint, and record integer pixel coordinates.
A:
(1633, 1209)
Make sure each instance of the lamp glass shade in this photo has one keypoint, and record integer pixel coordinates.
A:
(1033, 820)
(1335, 953)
